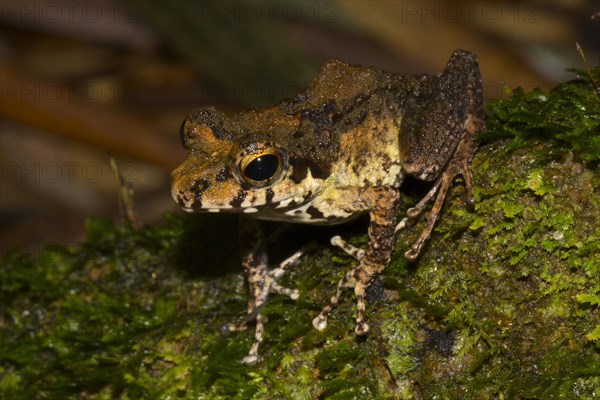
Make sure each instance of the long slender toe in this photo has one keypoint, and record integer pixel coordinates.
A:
(320, 323)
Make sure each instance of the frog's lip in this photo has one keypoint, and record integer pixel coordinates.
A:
(231, 210)
(269, 208)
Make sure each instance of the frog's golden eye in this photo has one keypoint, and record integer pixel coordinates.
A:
(262, 167)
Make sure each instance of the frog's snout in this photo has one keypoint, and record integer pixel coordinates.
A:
(189, 194)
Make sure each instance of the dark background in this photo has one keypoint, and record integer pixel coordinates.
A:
(80, 79)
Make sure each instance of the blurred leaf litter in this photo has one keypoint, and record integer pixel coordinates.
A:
(242, 51)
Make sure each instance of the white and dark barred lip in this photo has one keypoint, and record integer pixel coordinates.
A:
(260, 205)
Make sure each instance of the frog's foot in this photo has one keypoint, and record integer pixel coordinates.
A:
(262, 283)
(460, 164)
(350, 280)
(358, 279)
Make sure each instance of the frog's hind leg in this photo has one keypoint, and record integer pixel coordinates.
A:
(438, 136)
(460, 164)
(262, 281)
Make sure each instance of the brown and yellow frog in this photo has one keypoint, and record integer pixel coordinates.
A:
(339, 149)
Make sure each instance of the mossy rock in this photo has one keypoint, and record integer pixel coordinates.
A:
(502, 303)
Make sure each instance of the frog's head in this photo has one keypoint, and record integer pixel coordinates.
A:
(254, 162)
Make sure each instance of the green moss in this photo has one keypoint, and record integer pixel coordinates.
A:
(503, 302)
(567, 116)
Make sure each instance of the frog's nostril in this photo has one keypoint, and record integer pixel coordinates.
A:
(199, 186)
(195, 191)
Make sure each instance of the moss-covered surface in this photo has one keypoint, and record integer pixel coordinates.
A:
(503, 302)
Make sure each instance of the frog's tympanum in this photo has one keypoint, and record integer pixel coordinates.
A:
(339, 149)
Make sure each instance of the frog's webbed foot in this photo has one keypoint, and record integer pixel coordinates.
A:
(459, 164)
(371, 261)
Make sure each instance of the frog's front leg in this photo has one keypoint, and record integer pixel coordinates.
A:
(262, 281)
(381, 203)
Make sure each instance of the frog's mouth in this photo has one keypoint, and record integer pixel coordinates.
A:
(261, 204)
(258, 204)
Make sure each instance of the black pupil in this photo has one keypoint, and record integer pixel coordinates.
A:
(262, 168)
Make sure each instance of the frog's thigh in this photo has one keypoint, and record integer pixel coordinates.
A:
(432, 129)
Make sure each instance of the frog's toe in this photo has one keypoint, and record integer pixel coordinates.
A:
(250, 360)
(252, 357)
(352, 251)
(402, 224)
(320, 322)
(291, 293)
(228, 328)
(413, 253)
(291, 261)
(362, 328)
(348, 281)
(271, 278)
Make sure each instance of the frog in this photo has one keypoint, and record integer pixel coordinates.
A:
(340, 149)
